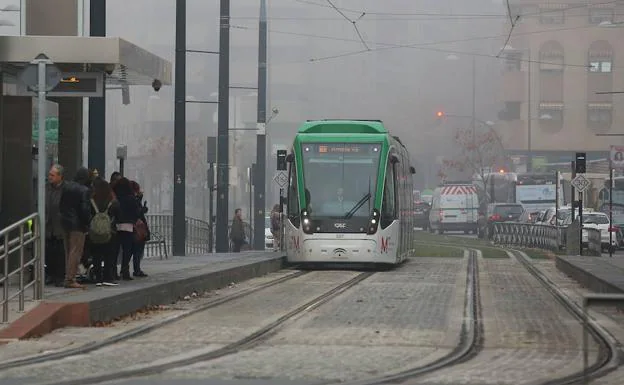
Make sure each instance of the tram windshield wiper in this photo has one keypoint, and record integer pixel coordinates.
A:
(357, 206)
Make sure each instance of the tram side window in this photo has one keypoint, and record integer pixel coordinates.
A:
(293, 197)
(388, 209)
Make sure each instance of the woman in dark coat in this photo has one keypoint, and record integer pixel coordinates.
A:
(128, 216)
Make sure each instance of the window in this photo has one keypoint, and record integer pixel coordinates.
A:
(511, 111)
(293, 208)
(551, 115)
(513, 61)
(599, 15)
(551, 62)
(552, 16)
(599, 117)
(340, 177)
(388, 208)
(600, 65)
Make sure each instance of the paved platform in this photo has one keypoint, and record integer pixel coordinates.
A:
(169, 280)
(599, 274)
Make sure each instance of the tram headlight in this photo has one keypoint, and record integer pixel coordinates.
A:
(373, 223)
(306, 223)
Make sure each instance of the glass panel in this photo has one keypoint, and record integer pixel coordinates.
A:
(339, 177)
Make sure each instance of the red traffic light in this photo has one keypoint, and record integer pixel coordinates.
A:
(439, 114)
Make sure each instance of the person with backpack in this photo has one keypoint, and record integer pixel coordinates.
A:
(105, 211)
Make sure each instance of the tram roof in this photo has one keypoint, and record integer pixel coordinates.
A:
(338, 126)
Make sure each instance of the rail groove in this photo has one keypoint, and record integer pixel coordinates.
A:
(140, 330)
(240, 345)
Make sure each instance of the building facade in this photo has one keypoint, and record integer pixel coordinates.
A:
(561, 65)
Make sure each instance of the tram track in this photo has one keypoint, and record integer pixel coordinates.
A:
(245, 343)
(608, 352)
(143, 329)
(470, 339)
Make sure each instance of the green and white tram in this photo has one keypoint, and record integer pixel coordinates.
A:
(349, 198)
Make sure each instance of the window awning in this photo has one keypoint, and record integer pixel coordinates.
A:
(600, 106)
(600, 53)
(553, 6)
(123, 62)
(554, 54)
(602, 6)
(551, 106)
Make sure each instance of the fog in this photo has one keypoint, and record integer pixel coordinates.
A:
(416, 59)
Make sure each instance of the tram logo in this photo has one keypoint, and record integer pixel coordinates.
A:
(340, 225)
(384, 244)
(295, 242)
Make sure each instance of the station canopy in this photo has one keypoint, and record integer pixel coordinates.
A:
(123, 63)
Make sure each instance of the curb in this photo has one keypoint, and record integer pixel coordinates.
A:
(50, 315)
(586, 278)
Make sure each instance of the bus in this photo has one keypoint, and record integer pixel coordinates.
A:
(537, 191)
(350, 195)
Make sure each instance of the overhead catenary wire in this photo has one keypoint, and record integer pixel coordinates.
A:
(353, 22)
(419, 46)
(379, 13)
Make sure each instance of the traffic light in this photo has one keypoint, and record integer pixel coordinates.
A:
(581, 162)
(281, 160)
(440, 114)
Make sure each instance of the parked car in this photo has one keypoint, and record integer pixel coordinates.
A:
(600, 221)
(268, 235)
(501, 212)
(421, 214)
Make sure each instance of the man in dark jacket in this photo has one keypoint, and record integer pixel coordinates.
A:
(55, 254)
(237, 232)
(75, 218)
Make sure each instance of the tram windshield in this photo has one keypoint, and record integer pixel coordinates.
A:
(340, 178)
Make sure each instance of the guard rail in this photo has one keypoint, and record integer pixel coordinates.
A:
(545, 237)
(20, 258)
(200, 236)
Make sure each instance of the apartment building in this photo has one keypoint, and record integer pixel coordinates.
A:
(561, 63)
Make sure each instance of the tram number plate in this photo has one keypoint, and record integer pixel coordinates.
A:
(339, 236)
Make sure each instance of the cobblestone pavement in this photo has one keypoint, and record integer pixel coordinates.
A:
(70, 338)
(528, 335)
(608, 317)
(205, 331)
(392, 321)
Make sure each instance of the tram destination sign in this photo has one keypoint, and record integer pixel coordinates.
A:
(346, 148)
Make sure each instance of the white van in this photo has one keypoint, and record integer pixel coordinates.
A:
(455, 207)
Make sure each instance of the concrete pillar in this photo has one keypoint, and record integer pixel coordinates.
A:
(70, 135)
(17, 160)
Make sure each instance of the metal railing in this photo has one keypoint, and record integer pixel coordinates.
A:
(546, 237)
(19, 256)
(526, 235)
(198, 235)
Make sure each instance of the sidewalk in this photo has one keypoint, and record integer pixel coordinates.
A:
(168, 281)
(599, 274)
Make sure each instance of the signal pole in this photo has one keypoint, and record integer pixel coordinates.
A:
(223, 145)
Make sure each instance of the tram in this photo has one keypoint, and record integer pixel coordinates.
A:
(349, 198)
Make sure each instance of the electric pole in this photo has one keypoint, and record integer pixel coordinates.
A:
(260, 170)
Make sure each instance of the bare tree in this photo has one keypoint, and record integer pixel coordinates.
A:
(479, 154)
